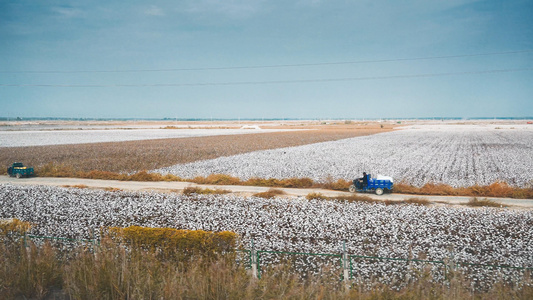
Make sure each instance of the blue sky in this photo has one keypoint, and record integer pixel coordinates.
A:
(266, 59)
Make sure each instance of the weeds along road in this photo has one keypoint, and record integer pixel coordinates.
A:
(174, 186)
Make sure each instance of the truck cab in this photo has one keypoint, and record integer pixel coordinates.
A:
(18, 170)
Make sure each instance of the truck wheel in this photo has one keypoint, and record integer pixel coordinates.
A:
(352, 188)
(17, 175)
(379, 191)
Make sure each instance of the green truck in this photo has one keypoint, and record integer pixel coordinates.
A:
(19, 170)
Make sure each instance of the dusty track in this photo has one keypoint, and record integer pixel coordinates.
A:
(173, 186)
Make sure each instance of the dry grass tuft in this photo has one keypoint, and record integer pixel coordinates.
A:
(77, 186)
(355, 198)
(351, 198)
(271, 193)
(417, 201)
(339, 185)
(475, 202)
(314, 195)
(366, 199)
(204, 191)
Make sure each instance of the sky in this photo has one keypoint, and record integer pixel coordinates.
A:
(307, 59)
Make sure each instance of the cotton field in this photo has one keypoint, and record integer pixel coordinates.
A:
(63, 137)
(458, 155)
(487, 236)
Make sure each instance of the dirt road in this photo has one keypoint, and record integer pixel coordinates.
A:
(160, 186)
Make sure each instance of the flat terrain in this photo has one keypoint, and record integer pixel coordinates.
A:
(491, 236)
(132, 156)
(444, 229)
(163, 186)
(28, 138)
(459, 155)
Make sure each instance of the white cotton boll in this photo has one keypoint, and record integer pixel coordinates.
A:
(458, 156)
(287, 224)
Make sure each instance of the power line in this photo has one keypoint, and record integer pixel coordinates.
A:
(269, 66)
(273, 81)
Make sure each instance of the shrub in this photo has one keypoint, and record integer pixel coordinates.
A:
(169, 240)
(220, 179)
(95, 174)
(497, 189)
(271, 193)
(339, 185)
(55, 170)
(145, 176)
(437, 189)
(201, 191)
(483, 202)
(315, 195)
(11, 226)
(296, 182)
(417, 201)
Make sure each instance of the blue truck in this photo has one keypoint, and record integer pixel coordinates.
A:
(19, 170)
(378, 185)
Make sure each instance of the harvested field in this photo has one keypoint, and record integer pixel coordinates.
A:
(132, 156)
(455, 155)
(68, 137)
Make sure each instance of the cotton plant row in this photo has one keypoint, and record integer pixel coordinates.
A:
(62, 137)
(486, 236)
(460, 156)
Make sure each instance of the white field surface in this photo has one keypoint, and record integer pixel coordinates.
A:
(458, 155)
(63, 137)
(471, 235)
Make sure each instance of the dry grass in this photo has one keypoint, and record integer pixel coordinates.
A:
(285, 183)
(497, 189)
(77, 186)
(350, 198)
(339, 185)
(475, 202)
(271, 193)
(366, 199)
(45, 273)
(417, 201)
(201, 191)
(134, 156)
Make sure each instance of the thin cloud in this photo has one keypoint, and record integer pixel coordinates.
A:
(67, 12)
(230, 8)
(154, 11)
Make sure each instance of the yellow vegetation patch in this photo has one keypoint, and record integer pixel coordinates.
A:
(10, 226)
(77, 186)
(271, 193)
(201, 191)
(496, 189)
(170, 239)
